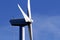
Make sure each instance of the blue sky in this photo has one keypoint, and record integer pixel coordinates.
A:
(45, 13)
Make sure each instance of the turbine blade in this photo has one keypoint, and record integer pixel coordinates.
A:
(24, 14)
(30, 31)
(29, 10)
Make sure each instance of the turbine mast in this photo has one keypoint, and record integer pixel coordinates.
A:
(22, 33)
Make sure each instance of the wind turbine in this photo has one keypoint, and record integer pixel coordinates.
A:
(26, 21)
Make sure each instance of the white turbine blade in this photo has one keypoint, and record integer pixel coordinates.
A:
(24, 14)
(30, 31)
(29, 10)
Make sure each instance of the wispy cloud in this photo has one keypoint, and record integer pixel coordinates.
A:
(46, 27)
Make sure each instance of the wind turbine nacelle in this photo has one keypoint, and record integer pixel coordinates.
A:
(19, 22)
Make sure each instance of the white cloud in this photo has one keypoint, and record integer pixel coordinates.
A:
(46, 28)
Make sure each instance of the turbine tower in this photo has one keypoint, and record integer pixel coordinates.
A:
(26, 21)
